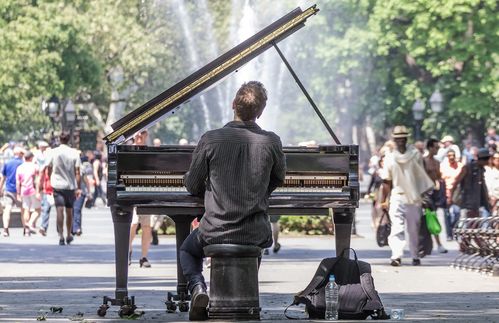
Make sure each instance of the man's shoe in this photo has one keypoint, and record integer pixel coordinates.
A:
(277, 247)
(199, 302)
(155, 240)
(396, 262)
(144, 263)
(69, 239)
(61, 242)
(416, 262)
(441, 249)
(43, 232)
(266, 252)
(5, 232)
(450, 239)
(78, 232)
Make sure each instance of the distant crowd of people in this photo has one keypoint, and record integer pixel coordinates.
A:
(35, 179)
(436, 175)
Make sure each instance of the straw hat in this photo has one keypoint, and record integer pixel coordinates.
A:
(400, 132)
(447, 139)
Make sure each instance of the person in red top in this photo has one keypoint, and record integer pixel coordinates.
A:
(45, 189)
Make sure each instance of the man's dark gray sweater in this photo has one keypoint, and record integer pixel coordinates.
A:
(236, 168)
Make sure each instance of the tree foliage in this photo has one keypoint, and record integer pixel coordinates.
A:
(365, 62)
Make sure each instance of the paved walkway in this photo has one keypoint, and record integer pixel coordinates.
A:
(36, 274)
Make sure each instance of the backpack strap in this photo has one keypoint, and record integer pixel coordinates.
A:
(320, 276)
(374, 304)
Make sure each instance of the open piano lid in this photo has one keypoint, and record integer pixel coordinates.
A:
(167, 102)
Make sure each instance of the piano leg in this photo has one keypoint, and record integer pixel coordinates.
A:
(122, 218)
(343, 219)
(182, 230)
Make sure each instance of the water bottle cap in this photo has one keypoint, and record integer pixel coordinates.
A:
(331, 278)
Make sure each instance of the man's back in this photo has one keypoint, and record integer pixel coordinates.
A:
(243, 165)
(63, 161)
(9, 172)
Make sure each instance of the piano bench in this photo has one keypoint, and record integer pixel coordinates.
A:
(234, 282)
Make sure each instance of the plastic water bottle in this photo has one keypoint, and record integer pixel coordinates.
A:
(332, 299)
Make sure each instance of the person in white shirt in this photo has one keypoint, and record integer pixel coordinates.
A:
(447, 144)
(404, 180)
(63, 164)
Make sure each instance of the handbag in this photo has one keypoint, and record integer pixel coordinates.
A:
(432, 222)
(384, 229)
(457, 195)
(358, 299)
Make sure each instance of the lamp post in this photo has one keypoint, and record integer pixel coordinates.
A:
(436, 101)
(418, 114)
(69, 118)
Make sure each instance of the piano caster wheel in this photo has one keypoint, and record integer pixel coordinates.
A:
(171, 307)
(183, 306)
(102, 310)
(126, 310)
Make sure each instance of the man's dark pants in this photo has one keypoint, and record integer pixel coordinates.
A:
(191, 259)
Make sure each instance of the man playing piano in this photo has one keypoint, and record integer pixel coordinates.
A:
(235, 168)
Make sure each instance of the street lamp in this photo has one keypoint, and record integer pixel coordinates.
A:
(51, 108)
(436, 101)
(69, 118)
(418, 113)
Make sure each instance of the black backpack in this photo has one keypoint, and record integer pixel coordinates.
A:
(358, 298)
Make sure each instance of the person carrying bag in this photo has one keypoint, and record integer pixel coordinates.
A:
(358, 299)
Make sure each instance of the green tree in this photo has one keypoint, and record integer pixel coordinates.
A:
(449, 44)
(42, 53)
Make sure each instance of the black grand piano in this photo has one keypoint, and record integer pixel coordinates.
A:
(318, 179)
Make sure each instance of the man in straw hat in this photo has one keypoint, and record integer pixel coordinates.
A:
(404, 180)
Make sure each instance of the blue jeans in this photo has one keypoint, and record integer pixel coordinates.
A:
(77, 206)
(452, 215)
(191, 259)
(45, 212)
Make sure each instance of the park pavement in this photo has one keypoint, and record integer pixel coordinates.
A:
(37, 274)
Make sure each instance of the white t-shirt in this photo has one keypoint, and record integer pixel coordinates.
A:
(63, 161)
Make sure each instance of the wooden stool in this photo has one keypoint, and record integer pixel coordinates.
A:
(234, 282)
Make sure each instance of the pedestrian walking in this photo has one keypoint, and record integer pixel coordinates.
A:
(492, 182)
(450, 170)
(437, 196)
(9, 193)
(405, 180)
(86, 172)
(63, 164)
(472, 187)
(26, 176)
(47, 194)
(140, 139)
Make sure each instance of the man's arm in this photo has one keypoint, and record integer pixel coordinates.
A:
(2, 183)
(458, 180)
(78, 181)
(18, 186)
(195, 178)
(95, 167)
(278, 172)
(385, 190)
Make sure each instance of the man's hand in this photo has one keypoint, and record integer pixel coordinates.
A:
(38, 196)
(19, 198)
(78, 193)
(384, 205)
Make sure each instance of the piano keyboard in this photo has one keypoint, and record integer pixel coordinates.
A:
(182, 189)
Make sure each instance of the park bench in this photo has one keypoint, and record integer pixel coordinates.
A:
(478, 240)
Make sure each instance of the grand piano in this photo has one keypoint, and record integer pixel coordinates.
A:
(319, 180)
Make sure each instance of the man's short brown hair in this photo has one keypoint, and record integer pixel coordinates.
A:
(250, 100)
